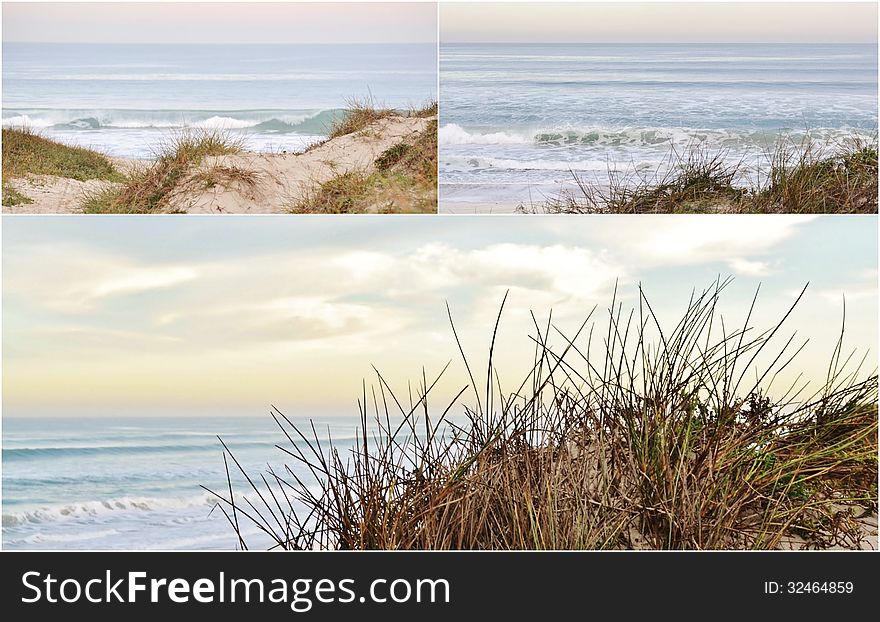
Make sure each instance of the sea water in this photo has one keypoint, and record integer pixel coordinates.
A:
(135, 483)
(126, 100)
(517, 120)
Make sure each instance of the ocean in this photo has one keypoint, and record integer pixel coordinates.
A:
(125, 100)
(133, 483)
(517, 119)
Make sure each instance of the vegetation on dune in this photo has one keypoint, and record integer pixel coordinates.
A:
(430, 109)
(27, 153)
(12, 197)
(224, 176)
(359, 113)
(149, 189)
(807, 180)
(404, 181)
(664, 443)
(363, 112)
(800, 178)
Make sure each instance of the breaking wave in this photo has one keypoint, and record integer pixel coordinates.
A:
(452, 135)
(311, 122)
(96, 509)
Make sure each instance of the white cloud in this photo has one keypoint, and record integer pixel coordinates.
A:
(699, 239)
(135, 280)
(848, 293)
(749, 268)
(72, 279)
(560, 271)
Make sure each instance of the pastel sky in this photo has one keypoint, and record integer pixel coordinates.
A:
(220, 22)
(658, 22)
(225, 316)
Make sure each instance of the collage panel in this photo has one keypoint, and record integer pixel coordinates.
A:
(219, 108)
(558, 382)
(430, 276)
(658, 107)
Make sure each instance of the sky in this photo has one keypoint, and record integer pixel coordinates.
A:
(219, 22)
(658, 22)
(157, 315)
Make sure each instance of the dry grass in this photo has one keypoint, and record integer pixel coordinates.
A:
(224, 177)
(147, 191)
(428, 110)
(801, 178)
(660, 443)
(359, 113)
(807, 179)
(27, 153)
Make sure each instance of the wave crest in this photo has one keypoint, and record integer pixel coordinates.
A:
(452, 134)
(307, 122)
(93, 509)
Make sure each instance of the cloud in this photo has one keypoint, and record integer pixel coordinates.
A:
(293, 319)
(73, 279)
(749, 268)
(698, 239)
(561, 271)
(361, 298)
(303, 318)
(848, 293)
(136, 280)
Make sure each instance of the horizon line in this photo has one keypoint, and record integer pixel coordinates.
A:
(224, 43)
(442, 43)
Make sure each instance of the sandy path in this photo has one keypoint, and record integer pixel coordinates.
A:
(282, 179)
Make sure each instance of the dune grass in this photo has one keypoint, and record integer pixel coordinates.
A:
(224, 176)
(404, 180)
(148, 190)
(361, 112)
(429, 109)
(801, 177)
(807, 179)
(666, 440)
(12, 197)
(27, 153)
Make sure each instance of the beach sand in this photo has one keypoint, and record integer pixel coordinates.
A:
(277, 181)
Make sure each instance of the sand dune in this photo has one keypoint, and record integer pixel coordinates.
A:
(247, 183)
(282, 179)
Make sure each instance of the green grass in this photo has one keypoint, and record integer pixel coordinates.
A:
(148, 191)
(12, 197)
(658, 436)
(27, 153)
(800, 178)
(391, 156)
